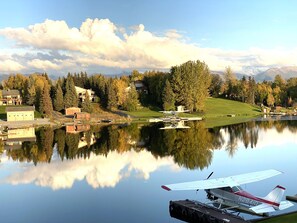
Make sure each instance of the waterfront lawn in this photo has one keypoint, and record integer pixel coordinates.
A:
(219, 112)
(216, 112)
(144, 114)
(216, 107)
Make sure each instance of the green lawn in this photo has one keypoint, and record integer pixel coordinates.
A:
(144, 114)
(215, 107)
(216, 112)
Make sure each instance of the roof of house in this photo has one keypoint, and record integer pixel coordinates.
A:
(10, 92)
(17, 108)
(73, 108)
(83, 90)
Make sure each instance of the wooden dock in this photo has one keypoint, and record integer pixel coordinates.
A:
(194, 211)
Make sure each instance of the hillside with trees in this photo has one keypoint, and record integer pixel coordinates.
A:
(188, 84)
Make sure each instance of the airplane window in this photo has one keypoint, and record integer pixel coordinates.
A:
(235, 189)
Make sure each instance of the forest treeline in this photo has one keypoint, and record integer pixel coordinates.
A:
(188, 84)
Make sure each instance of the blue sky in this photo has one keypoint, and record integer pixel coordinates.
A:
(118, 36)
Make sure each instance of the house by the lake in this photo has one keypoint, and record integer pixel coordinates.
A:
(24, 113)
(10, 97)
(81, 93)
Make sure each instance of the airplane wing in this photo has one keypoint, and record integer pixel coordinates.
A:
(223, 182)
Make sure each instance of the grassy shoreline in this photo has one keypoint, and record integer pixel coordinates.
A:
(217, 113)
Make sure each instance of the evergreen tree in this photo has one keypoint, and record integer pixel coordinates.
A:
(111, 95)
(70, 97)
(30, 92)
(46, 106)
(252, 91)
(58, 100)
(168, 97)
(244, 89)
(60, 140)
(132, 101)
(86, 104)
(38, 100)
(215, 88)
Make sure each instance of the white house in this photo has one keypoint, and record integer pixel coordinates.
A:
(81, 93)
(10, 97)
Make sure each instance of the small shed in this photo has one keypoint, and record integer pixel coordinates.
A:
(72, 110)
(24, 113)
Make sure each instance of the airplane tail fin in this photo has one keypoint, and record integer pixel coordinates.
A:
(274, 198)
(276, 195)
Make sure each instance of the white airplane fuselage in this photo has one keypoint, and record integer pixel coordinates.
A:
(236, 195)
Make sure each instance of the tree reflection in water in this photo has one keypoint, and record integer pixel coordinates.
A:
(191, 148)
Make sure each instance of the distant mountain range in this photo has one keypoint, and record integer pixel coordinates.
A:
(268, 75)
(285, 72)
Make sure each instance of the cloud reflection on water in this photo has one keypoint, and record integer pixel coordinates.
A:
(98, 171)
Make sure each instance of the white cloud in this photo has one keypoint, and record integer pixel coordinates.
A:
(99, 42)
(8, 66)
(98, 171)
(43, 64)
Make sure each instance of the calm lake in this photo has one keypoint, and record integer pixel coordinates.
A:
(114, 173)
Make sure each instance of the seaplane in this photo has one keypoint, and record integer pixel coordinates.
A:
(174, 112)
(227, 192)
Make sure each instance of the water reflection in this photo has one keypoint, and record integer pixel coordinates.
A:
(103, 156)
(99, 171)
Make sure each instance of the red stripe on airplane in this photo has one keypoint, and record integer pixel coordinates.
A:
(278, 186)
(166, 188)
(247, 195)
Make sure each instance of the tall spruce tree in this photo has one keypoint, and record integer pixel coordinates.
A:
(168, 97)
(58, 100)
(86, 104)
(38, 100)
(70, 97)
(111, 95)
(30, 92)
(46, 107)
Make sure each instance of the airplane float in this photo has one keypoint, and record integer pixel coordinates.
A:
(174, 112)
(227, 192)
